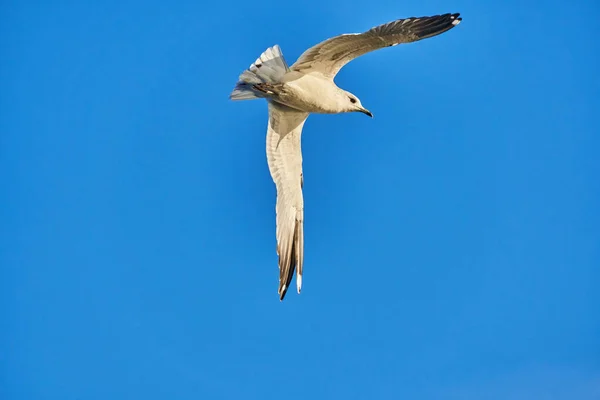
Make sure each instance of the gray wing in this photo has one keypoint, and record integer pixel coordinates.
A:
(330, 56)
(284, 156)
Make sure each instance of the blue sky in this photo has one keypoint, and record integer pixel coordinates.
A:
(452, 245)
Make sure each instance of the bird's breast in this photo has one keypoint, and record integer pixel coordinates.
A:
(310, 94)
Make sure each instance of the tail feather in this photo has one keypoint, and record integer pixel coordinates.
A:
(268, 68)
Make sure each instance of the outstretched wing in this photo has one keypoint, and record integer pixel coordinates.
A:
(284, 156)
(330, 56)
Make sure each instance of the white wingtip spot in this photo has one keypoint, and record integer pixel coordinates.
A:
(299, 283)
(456, 22)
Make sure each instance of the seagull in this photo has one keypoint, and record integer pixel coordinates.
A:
(292, 93)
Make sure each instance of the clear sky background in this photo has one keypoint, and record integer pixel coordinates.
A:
(452, 242)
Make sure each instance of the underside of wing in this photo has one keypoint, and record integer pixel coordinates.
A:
(284, 156)
(329, 56)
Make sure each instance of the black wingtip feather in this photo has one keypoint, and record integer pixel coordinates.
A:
(286, 272)
(432, 26)
(416, 28)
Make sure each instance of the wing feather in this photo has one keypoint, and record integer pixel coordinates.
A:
(284, 156)
(329, 56)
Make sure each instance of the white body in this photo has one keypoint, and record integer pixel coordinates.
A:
(312, 93)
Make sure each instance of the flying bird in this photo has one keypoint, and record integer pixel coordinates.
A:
(292, 93)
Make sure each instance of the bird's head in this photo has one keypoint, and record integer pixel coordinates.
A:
(353, 104)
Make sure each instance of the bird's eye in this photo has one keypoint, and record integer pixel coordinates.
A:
(352, 100)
